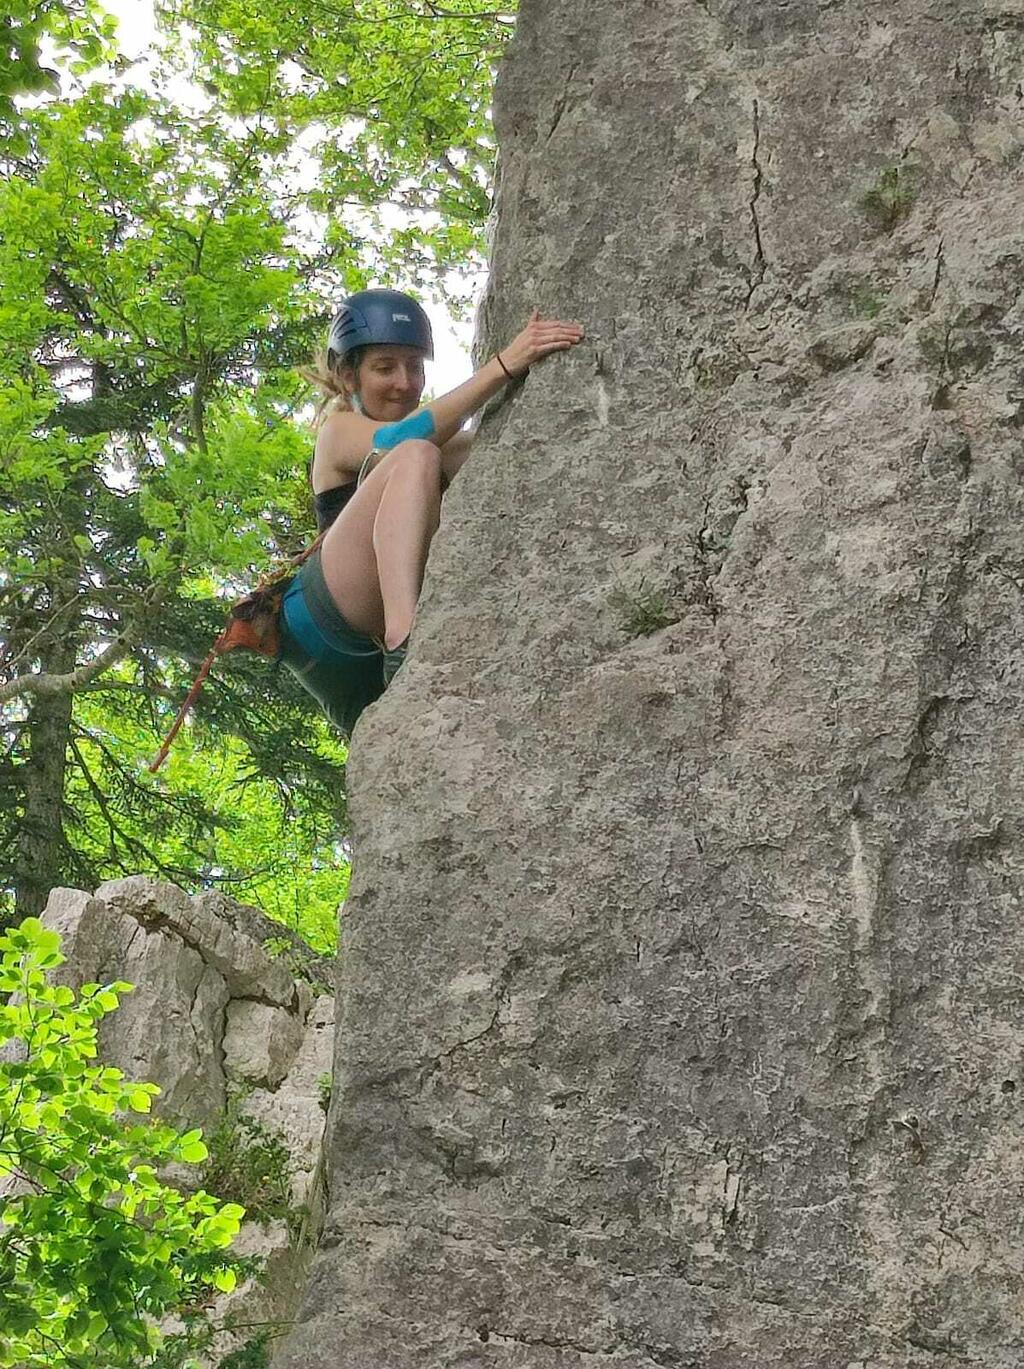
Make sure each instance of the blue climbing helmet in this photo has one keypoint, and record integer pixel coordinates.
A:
(378, 317)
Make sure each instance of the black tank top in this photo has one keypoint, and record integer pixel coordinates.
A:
(329, 503)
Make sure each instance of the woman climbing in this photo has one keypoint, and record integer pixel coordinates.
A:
(380, 466)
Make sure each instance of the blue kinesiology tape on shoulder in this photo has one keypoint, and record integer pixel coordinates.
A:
(420, 424)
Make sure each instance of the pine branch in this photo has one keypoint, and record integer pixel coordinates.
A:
(120, 839)
(192, 812)
(25, 653)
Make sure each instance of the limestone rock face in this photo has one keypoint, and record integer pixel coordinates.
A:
(220, 1026)
(295, 1108)
(211, 1011)
(260, 1042)
(168, 1030)
(680, 1017)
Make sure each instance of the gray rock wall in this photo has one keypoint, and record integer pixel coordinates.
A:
(226, 1031)
(681, 1015)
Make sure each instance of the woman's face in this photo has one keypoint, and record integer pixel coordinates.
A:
(389, 382)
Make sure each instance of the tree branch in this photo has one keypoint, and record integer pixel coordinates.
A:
(130, 844)
(49, 685)
(148, 691)
(25, 653)
(40, 685)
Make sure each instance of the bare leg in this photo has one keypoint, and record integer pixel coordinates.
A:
(376, 550)
(407, 518)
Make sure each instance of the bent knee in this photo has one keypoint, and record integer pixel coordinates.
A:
(418, 452)
(418, 446)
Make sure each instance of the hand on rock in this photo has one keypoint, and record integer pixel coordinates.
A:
(539, 339)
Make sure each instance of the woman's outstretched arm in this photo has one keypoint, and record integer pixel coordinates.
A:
(346, 437)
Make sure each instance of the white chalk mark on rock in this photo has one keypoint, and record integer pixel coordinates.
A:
(603, 406)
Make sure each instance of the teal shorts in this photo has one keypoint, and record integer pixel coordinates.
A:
(343, 669)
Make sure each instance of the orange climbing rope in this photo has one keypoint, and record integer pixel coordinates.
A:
(253, 625)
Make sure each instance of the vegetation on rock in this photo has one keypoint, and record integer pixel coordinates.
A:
(250, 1164)
(95, 1246)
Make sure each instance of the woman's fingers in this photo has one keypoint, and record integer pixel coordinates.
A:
(561, 345)
(539, 338)
(552, 332)
(554, 335)
(546, 334)
(535, 321)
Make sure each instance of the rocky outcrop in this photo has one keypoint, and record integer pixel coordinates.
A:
(236, 1038)
(211, 1008)
(680, 1017)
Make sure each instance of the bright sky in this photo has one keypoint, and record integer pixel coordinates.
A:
(452, 339)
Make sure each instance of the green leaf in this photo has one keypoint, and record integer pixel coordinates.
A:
(225, 1279)
(104, 1244)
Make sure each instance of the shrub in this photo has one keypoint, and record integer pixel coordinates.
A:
(643, 611)
(249, 1164)
(94, 1246)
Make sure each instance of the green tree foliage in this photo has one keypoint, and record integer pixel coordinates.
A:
(94, 1245)
(163, 270)
(393, 97)
(149, 327)
(77, 27)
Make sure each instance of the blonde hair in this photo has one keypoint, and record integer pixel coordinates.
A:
(327, 379)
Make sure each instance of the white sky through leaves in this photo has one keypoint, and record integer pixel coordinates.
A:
(137, 34)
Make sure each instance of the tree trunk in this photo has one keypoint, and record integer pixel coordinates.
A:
(42, 848)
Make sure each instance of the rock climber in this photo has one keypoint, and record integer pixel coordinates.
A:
(381, 463)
